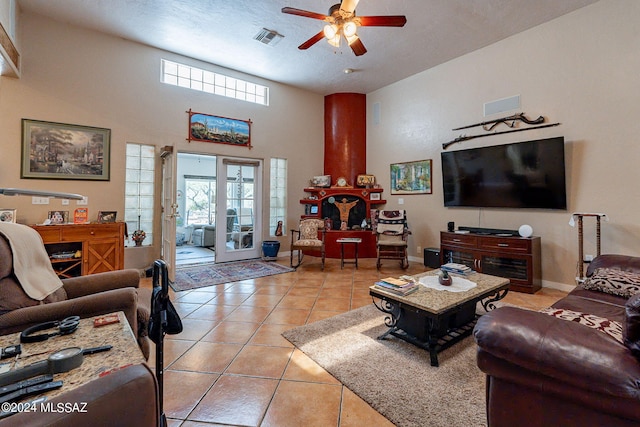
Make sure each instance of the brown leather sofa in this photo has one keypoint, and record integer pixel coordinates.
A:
(84, 296)
(124, 398)
(546, 371)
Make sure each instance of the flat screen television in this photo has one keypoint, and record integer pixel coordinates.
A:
(527, 174)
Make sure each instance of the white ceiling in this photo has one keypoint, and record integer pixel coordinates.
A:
(221, 32)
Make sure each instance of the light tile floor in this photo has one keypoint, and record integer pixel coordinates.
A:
(231, 366)
(190, 254)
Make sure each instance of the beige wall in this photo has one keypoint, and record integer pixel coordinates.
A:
(580, 70)
(75, 76)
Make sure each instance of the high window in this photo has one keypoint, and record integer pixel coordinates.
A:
(194, 78)
(278, 196)
(139, 185)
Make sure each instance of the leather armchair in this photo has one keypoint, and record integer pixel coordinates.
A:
(111, 401)
(84, 296)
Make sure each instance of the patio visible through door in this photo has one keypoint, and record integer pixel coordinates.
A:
(239, 191)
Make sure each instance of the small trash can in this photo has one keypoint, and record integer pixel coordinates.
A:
(432, 257)
(270, 249)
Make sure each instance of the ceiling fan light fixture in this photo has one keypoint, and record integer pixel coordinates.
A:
(335, 40)
(349, 29)
(330, 31)
(342, 21)
(351, 39)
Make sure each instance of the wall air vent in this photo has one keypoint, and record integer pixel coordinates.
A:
(268, 37)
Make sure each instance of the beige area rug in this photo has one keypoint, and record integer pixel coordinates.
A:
(396, 377)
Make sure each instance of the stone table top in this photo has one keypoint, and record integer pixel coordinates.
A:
(436, 301)
(125, 351)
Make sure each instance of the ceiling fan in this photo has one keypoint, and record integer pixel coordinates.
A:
(343, 22)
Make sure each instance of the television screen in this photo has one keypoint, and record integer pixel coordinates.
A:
(520, 175)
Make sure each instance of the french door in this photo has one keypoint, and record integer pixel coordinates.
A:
(169, 209)
(239, 209)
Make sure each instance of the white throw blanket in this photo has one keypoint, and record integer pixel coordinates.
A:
(31, 264)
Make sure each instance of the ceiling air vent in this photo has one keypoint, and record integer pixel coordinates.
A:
(268, 37)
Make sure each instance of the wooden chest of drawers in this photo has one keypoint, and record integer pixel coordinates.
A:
(81, 249)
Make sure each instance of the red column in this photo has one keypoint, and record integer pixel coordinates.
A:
(345, 136)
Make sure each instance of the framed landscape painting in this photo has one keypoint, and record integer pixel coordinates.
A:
(411, 177)
(62, 151)
(221, 130)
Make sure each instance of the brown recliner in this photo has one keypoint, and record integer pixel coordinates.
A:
(84, 296)
(127, 397)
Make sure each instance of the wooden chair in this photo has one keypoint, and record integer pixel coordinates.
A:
(392, 233)
(306, 239)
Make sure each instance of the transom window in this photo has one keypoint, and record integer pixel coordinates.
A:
(194, 78)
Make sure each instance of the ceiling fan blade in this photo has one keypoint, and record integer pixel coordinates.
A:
(358, 48)
(349, 5)
(313, 40)
(305, 13)
(383, 21)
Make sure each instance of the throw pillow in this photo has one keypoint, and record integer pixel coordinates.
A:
(631, 328)
(609, 327)
(613, 281)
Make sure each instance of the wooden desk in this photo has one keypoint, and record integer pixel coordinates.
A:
(125, 351)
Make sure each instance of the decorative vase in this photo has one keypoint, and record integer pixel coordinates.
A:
(270, 249)
(138, 237)
(445, 279)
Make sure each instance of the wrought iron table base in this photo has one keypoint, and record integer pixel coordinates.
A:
(435, 341)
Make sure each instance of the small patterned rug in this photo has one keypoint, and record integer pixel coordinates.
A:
(201, 275)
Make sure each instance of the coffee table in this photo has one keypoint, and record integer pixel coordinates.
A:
(437, 319)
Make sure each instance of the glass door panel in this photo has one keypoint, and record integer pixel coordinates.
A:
(510, 267)
(239, 187)
(458, 257)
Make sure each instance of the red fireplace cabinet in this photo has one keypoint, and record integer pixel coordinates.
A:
(317, 205)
